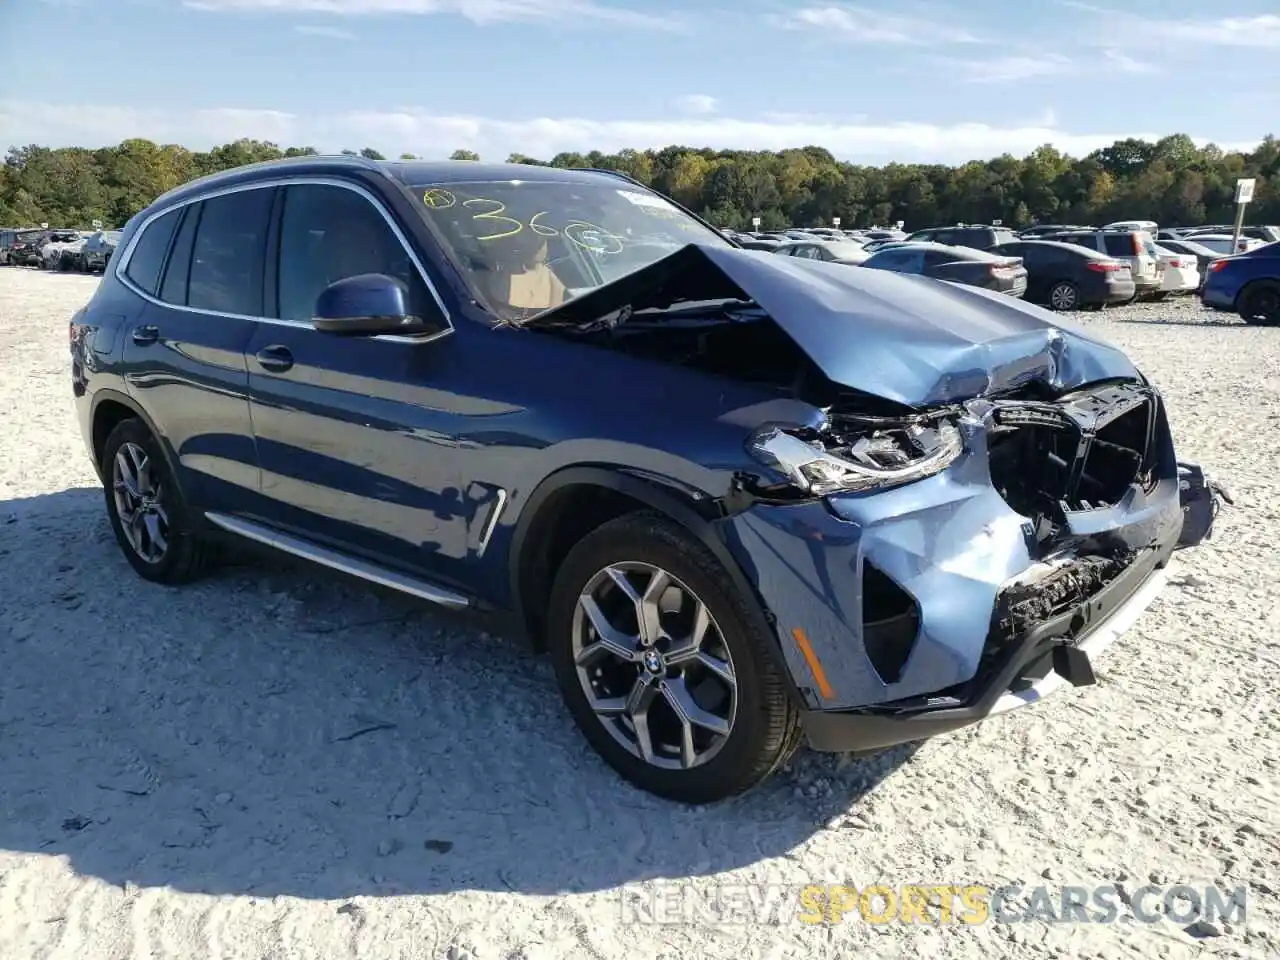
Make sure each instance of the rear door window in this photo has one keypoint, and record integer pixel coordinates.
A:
(147, 259)
(901, 261)
(229, 252)
(1080, 240)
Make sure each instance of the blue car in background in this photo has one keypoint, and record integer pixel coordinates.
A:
(1247, 283)
(744, 501)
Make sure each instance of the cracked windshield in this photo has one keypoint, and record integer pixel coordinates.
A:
(528, 246)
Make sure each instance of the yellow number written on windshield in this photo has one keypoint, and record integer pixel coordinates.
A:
(494, 223)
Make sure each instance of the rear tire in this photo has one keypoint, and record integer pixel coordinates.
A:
(733, 678)
(1064, 295)
(1260, 304)
(147, 513)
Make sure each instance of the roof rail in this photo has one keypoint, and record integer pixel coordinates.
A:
(218, 175)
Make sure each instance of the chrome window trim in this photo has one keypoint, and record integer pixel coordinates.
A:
(122, 261)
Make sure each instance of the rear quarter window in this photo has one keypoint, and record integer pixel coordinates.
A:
(1119, 244)
(147, 259)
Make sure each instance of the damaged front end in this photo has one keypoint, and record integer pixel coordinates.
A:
(954, 504)
(1010, 539)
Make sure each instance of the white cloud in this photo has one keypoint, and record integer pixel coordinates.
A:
(331, 33)
(435, 135)
(698, 103)
(1262, 30)
(1123, 63)
(482, 12)
(1031, 67)
(861, 25)
(1009, 69)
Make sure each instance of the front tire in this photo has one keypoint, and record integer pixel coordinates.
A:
(1260, 304)
(663, 667)
(146, 510)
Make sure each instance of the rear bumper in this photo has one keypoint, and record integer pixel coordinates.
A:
(1113, 292)
(1180, 281)
(1217, 297)
(1059, 651)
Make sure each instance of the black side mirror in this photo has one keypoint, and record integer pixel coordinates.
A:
(366, 305)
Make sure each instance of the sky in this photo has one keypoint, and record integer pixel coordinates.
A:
(874, 82)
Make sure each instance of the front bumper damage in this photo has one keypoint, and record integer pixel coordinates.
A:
(913, 611)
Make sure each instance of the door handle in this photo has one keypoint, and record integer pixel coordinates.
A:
(275, 358)
(146, 334)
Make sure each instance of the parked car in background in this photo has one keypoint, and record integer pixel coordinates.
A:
(1132, 226)
(828, 233)
(1180, 273)
(1189, 248)
(1040, 230)
(753, 243)
(1248, 283)
(1264, 234)
(62, 252)
(1065, 276)
(98, 250)
(1135, 246)
(1225, 244)
(7, 236)
(829, 251)
(974, 237)
(26, 247)
(976, 268)
(740, 500)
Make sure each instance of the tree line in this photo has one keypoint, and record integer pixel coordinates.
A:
(1171, 181)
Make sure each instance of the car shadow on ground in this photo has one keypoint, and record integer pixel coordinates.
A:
(277, 730)
(1214, 324)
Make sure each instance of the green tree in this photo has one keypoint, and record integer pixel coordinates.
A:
(1170, 181)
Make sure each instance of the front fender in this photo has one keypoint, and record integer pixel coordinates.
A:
(699, 513)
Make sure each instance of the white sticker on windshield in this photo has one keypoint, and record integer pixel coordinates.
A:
(645, 200)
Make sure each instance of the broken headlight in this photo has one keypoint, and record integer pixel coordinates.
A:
(853, 455)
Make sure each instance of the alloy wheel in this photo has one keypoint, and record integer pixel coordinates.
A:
(1063, 297)
(136, 488)
(654, 666)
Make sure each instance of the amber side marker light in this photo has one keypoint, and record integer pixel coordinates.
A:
(815, 665)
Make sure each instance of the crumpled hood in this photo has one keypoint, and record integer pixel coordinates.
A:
(910, 339)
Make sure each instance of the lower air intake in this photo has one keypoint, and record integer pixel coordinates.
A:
(890, 623)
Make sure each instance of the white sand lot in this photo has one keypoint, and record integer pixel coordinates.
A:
(181, 775)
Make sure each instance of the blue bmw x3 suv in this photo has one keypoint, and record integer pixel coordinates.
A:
(742, 500)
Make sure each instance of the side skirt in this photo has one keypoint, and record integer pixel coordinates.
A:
(338, 561)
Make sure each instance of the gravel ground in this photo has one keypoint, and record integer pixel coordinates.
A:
(276, 763)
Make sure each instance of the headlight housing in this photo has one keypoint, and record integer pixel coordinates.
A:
(858, 454)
